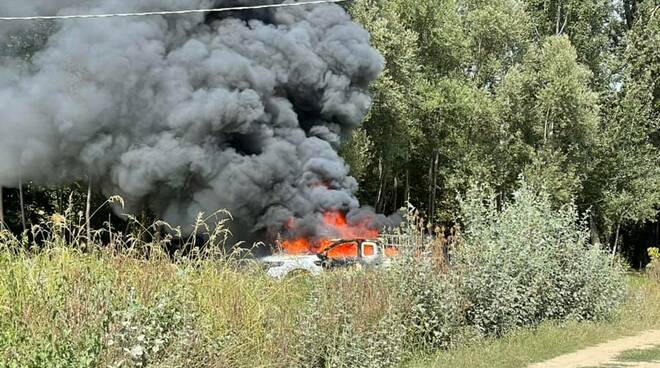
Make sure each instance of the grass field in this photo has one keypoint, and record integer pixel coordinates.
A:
(62, 306)
(518, 349)
(64, 303)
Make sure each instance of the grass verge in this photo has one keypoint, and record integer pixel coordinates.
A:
(523, 347)
(640, 355)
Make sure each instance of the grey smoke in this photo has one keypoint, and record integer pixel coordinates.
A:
(187, 114)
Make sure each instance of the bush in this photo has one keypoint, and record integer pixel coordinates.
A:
(527, 263)
(350, 321)
(431, 309)
(653, 268)
(163, 334)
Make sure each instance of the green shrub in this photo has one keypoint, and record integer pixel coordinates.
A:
(163, 334)
(653, 268)
(431, 308)
(350, 321)
(527, 263)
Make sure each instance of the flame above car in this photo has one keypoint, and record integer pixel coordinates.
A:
(336, 226)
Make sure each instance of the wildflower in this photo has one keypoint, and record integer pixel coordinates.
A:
(58, 220)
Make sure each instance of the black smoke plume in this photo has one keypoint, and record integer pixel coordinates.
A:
(188, 113)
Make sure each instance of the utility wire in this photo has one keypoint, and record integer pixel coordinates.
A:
(171, 12)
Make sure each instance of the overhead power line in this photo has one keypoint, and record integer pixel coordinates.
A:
(171, 12)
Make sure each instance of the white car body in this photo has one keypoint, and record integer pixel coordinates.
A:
(280, 265)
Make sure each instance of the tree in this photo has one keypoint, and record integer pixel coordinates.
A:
(642, 73)
(625, 187)
(586, 23)
(552, 117)
(390, 122)
(433, 115)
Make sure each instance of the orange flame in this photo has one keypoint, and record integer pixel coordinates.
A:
(336, 221)
(336, 226)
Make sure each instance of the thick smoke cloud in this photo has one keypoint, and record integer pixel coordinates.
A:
(187, 114)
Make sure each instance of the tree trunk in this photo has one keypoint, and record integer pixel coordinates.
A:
(22, 203)
(429, 207)
(433, 182)
(396, 193)
(407, 194)
(380, 183)
(593, 229)
(387, 196)
(557, 29)
(87, 213)
(616, 239)
(551, 131)
(630, 10)
(110, 237)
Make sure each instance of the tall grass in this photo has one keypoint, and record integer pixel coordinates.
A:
(68, 301)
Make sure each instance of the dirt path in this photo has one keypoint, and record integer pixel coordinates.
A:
(605, 354)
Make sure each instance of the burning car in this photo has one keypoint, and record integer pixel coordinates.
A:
(334, 254)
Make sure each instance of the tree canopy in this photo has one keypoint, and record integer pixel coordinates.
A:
(562, 93)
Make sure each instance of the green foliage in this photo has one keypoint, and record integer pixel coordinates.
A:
(363, 330)
(163, 334)
(523, 347)
(431, 313)
(547, 100)
(642, 57)
(653, 268)
(626, 184)
(498, 33)
(391, 118)
(486, 91)
(553, 173)
(23, 44)
(587, 23)
(558, 92)
(133, 305)
(358, 153)
(461, 125)
(528, 263)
